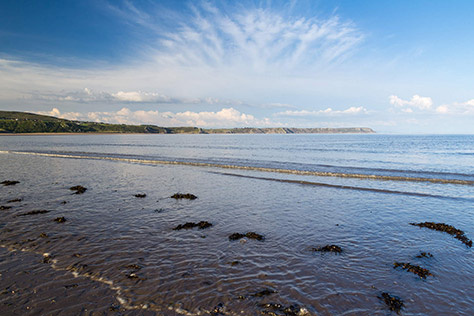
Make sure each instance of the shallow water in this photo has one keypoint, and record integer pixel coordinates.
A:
(190, 271)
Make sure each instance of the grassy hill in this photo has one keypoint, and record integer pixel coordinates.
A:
(24, 122)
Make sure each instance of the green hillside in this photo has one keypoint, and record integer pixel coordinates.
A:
(23, 122)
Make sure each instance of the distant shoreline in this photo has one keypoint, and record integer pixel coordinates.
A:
(112, 133)
(24, 123)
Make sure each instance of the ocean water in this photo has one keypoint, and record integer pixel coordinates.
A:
(360, 192)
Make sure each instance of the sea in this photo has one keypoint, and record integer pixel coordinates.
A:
(116, 248)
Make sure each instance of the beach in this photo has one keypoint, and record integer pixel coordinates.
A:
(123, 246)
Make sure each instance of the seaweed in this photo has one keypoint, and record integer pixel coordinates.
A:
(275, 309)
(78, 188)
(9, 182)
(68, 286)
(425, 255)
(421, 272)
(44, 235)
(14, 201)
(60, 219)
(3, 208)
(133, 266)
(46, 258)
(329, 248)
(140, 195)
(250, 235)
(394, 303)
(188, 196)
(264, 292)
(457, 233)
(218, 310)
(189, 225)
(35, 212)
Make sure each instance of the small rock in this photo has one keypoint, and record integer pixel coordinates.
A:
(140, 195)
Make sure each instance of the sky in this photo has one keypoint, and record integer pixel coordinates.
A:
(395, 66)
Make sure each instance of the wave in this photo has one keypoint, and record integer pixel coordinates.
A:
(347, 187)
(251, 168)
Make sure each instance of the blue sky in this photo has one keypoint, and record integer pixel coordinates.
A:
(395, 66)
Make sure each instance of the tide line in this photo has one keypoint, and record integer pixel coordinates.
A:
(250, 168)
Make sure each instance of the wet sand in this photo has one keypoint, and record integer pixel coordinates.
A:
(296, 249)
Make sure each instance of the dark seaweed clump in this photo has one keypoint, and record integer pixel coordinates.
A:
(188, 196)
(35, 212)
(250, 235)
(5, 207)
(9, 182)
(133, 266)
(394, 303)
(425, 255)
(329, 248)
(189, 225)
(421, 272)
(78, 188)
(218, 310)
(264, 292)
(14, 200)
(275, 309)
(60, 219)
(140, 195)
(457, 233)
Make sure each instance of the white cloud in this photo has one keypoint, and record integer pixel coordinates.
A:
(457, 108)
(56, 113)
(426, 104)
(419, 102)
(226, 117)
(328, 112)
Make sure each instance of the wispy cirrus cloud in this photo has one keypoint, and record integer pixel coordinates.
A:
(256, 38)
(235, 57)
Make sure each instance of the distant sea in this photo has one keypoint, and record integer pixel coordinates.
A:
(301, 192)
